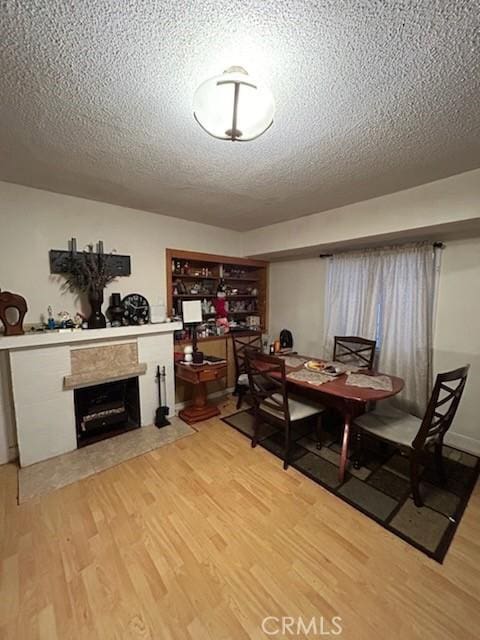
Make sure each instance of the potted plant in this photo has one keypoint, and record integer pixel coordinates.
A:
(89, 273)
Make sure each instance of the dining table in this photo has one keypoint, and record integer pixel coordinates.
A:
(349, 400)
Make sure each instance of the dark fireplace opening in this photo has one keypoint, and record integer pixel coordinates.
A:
(106, 410)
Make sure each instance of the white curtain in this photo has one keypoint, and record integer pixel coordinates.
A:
(352, 296)
(388, 295)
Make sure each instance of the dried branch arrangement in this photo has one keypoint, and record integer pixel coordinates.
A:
(89, 272)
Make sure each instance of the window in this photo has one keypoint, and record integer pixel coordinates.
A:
(387, 295)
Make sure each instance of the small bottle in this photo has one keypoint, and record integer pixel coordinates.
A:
(272, 349)
(51, 319)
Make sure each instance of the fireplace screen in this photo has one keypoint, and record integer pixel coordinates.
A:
(105, 410)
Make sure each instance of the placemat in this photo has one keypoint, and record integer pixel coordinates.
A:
(310, 376)
(381, 383)
(293, 361)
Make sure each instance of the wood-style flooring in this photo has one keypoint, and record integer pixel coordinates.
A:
(204, 538)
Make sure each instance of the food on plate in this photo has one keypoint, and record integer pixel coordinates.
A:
(315, 365)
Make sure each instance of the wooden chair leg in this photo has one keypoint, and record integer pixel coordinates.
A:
(439, 463)
(287, 447)
(414, 480)
(358, 451)
(241, 392)
(256, 429)
(318, 431)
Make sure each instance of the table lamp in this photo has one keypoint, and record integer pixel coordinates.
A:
(192, 315)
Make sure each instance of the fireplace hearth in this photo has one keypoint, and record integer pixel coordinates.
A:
(106, 410)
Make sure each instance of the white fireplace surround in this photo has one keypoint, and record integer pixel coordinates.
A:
(43, 409)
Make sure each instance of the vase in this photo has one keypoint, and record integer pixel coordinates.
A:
(96, 319)
(116, 310)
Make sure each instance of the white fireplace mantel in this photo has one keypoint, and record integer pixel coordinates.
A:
(49, 338)
(39, 362)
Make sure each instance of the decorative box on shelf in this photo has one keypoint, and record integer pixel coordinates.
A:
(254, 322)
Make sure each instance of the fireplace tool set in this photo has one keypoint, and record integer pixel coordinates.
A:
(162, 411)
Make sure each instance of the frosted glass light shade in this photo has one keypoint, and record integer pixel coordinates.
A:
(232, 106)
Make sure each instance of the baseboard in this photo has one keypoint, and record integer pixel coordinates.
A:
(464, 443)
(216, 394)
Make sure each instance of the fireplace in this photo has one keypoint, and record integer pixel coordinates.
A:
(106, 410)
(46, 369)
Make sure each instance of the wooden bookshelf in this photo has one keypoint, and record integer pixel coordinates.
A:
(196, 276)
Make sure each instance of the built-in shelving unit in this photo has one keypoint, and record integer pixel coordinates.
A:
(196, 276)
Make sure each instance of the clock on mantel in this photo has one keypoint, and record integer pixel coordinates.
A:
(136, 309)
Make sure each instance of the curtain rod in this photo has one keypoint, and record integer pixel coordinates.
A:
(435, 245)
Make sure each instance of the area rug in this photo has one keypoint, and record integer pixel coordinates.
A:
(381, 488)
(44, 477)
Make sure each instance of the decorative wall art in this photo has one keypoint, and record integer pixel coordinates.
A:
(89, 272)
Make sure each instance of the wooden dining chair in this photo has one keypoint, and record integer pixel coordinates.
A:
(413, 435)
(268, 386)
(240, 346)
(354, 350)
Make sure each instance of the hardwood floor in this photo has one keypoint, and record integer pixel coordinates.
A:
(206, 537)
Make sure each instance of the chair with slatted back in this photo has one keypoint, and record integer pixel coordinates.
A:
(354, 350)
(268, 387)
(413, 435)
(240, 345)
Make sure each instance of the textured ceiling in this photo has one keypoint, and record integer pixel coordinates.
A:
(372, 97)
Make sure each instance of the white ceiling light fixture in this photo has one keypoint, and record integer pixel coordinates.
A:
(232, 106)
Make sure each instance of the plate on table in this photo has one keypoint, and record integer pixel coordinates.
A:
(315, 365)
(329, 368)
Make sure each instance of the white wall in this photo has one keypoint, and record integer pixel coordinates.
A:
(457, 337)
(33, 221)
(297, 290)
(452, 200)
